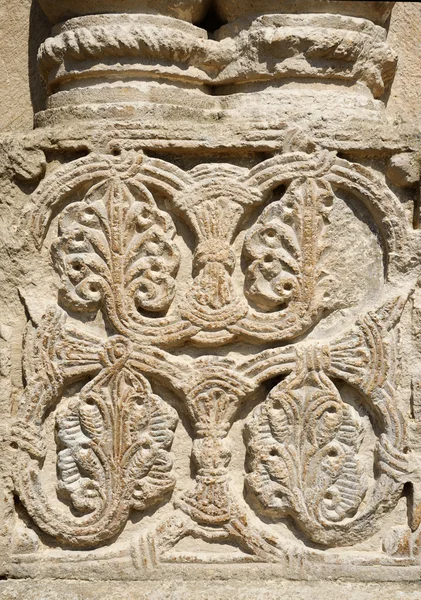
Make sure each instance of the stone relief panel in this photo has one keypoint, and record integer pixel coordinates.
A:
(116, 252)
(221, 349)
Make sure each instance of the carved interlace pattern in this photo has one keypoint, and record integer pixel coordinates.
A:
(118, 255)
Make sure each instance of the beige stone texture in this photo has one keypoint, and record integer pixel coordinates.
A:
(16, 110)
(210, 268)
(22, 27)
(403, 100)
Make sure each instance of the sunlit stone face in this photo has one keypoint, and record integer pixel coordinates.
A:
(210, 349)
(58, 11)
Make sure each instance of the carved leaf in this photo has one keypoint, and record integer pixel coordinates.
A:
(116, 250)
(285, 247)
(303, 448)
(115, 440)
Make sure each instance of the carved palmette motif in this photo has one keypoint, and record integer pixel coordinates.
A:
(304, 442)
(285, 247)
(110, 237)
(118, 433)
(118, 251)
(113, 438)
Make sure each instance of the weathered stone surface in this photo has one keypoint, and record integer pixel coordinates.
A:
(243, 589)
(210, 340)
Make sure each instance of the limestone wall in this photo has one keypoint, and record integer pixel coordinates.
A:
(210, 329)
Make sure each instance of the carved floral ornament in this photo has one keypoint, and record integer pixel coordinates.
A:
(256, 273)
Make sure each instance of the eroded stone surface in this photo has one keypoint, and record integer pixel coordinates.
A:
(211, 264)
